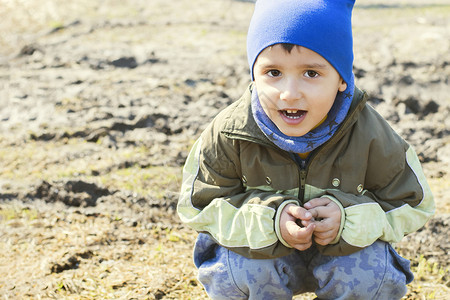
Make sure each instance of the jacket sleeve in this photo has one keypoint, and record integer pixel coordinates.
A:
(214, 200)
(402, 204)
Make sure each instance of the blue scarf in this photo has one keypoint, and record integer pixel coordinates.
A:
(314, 138)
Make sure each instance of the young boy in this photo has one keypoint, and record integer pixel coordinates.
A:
(300, 186)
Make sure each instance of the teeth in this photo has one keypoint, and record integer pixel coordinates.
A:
(293, 113)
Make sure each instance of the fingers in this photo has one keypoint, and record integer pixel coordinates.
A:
(296, 236)
(300, 233)
(325, 225)
(326, 237)
(322, 208)
(318, 207)
(327, 216)
(318, 212)
(325, 231)
(300, 228)
(323, 201)
(305, 223)
(299, 212)
(302, 237)
(323, 241)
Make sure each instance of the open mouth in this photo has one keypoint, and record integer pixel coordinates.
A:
(293, 113)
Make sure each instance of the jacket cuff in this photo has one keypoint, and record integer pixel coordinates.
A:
(341, 226)
(277, 220)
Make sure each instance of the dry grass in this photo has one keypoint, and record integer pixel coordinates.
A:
(70, 255)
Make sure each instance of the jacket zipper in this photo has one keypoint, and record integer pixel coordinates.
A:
(301, 195)
(303, 166)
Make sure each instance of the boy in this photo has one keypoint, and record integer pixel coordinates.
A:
(300, 186)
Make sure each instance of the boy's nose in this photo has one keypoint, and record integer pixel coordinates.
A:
(290, 90)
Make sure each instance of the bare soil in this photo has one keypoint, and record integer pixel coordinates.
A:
(101, 101)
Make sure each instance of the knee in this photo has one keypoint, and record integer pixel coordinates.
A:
(261, 278)
(372, 273)
(228, 275)
(215, 276)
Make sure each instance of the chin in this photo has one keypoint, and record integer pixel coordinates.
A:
(293, 133)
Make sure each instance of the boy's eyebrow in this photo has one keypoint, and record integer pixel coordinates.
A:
(305, 66)
(314, 66)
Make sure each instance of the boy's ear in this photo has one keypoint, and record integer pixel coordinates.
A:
(342, 86)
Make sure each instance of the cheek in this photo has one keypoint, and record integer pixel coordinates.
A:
(265, 95)
(267, 105)
(322, 106)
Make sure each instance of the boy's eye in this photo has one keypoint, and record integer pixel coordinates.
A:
(274, 73)
(311, 74)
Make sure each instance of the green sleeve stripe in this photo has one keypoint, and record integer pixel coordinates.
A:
(312, 192)
(367, 222)
(427, 203)
(248, 226)
(266, 188)
(185, 209)
(420, 213)
(364, 224)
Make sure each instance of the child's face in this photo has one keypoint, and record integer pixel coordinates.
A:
(296, 89)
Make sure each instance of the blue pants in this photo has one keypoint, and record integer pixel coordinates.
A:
(376, 272)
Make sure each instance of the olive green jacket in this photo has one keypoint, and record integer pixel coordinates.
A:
(236, 183)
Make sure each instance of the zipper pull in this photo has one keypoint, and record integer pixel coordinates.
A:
(302, 179)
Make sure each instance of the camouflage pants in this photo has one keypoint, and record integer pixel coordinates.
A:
(376, 272)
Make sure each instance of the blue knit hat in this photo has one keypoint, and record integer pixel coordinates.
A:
(323, 26)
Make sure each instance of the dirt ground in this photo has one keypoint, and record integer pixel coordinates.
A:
(101, 101)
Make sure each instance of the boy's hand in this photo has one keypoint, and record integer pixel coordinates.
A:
(328, 219)
(298, 237)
